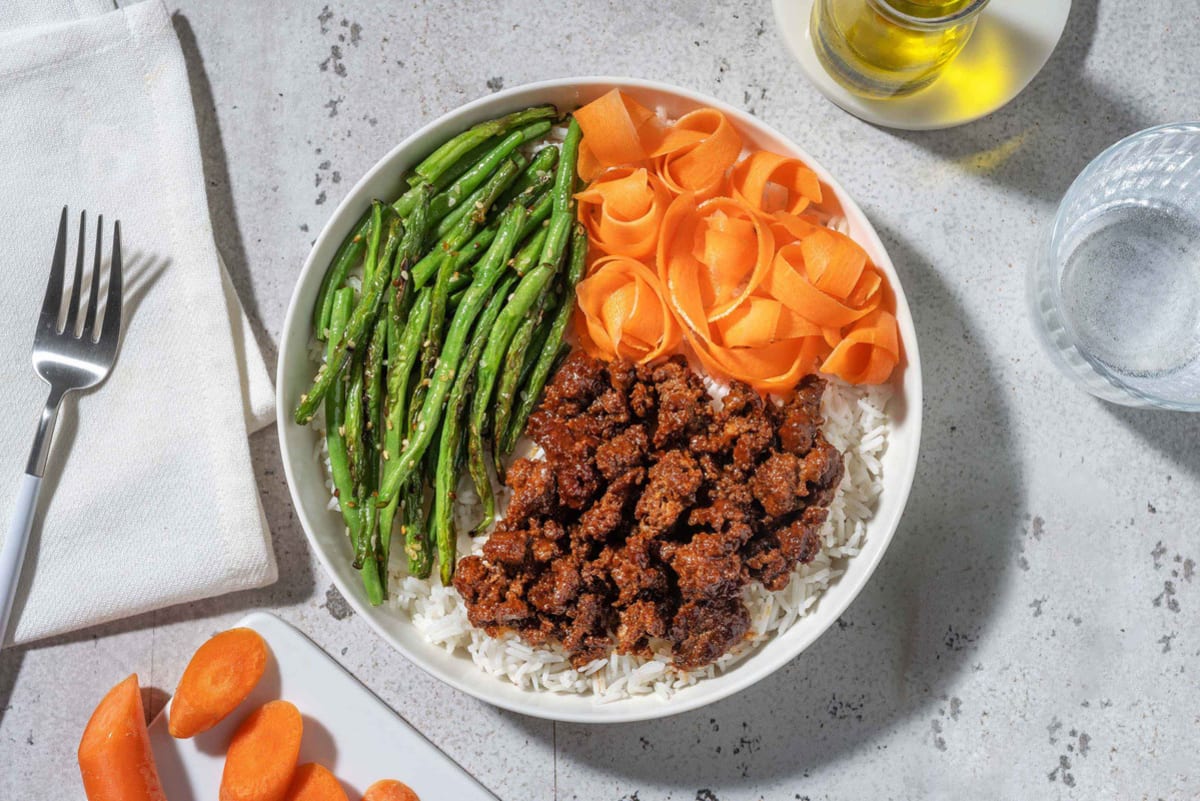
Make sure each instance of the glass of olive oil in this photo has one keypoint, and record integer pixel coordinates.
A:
(890, 48)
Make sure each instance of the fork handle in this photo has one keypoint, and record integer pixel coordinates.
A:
(12, 555)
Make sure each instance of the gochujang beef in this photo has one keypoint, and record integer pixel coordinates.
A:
(651, 510)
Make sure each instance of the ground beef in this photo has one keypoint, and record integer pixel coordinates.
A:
(651, 511)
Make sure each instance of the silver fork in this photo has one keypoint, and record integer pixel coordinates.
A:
(77, 355)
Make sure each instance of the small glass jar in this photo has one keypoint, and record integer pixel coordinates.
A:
(890, 48)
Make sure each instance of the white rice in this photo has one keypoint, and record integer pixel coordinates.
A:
(856, 423)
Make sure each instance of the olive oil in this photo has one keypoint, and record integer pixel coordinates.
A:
(890, 48)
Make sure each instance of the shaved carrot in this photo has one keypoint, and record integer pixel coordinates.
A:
(389, 790)
(219, 676)
(624, 311)
(262, 754)
(756, 176)
(114, 753)
(313, 782)
(622, 210)
(732, 254)
(617, 129)
(868, 353)
(697, 151)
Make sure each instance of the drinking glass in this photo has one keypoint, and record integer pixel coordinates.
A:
(1115, 284)
(890, 48)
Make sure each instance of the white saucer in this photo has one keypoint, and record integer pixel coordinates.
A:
(1011, 43)
(346, 728)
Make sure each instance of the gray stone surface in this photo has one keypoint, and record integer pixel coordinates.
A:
(1033, 631)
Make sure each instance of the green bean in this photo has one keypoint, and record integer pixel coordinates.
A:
(531, 287)
(540, 335)
(564, 198)
(417, 542)
(352, 247)
(460, 234)
(379, 340)
(479, 172)
(541, 167)
(408, 201)
(373, 236)
(539, 211)
(364, 313)
(449, 445)
(340, 458)
(477, 204)
(531, 251)
(335, 409)
(510, 376)
(373, 400)
(532, 389)
(486, 274)
(399, 372)
(564, 178)
(348, 254)
(442, 159)
(352, 424)
(356, 328)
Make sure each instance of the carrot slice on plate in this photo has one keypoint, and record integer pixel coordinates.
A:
(623, 311)
(622, 210)
(218, 677)
(262, 754)
(313, 782)
(788, 281)
(697, 151)
(746, 268)
(868, 353)
(114, 753)
(617, 129)
(389, 790)
(769, 182)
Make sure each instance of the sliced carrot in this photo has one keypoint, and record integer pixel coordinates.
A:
(389, 790)
(623, 311)
(617, 129)
(622, 210)
(747, 269)
(219, 676)
(789, 282)
(868, 353)
(262, 754)
(313, 782)
(114, 753)
(789, 228)
(769, 182)
(697, 151)
(834, 261)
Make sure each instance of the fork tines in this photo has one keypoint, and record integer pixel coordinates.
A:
(110, 324)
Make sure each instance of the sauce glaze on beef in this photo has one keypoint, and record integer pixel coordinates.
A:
(650, 512)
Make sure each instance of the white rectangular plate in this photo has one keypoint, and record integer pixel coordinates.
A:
(346, 729)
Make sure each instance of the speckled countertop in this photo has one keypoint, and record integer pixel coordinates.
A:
(1034, 630)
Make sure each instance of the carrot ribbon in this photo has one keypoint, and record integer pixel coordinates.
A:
(732, 256)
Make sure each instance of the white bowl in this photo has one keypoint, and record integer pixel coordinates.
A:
(324, 528)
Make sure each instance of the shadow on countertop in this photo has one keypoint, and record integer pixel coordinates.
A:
(1175, 435)
(910, 636)
(1070, 118)
(221, 209)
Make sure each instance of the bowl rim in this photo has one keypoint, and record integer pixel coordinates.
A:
(758, 665)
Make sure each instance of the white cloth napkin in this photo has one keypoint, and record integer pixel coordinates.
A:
(149, 498)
